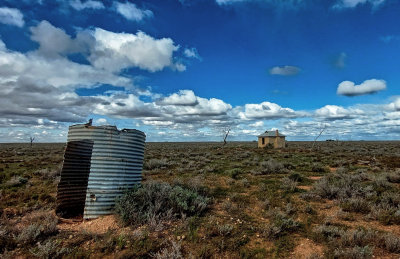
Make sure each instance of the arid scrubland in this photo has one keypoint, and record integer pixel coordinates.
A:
(203, 200)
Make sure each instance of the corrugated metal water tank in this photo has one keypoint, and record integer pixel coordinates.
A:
(100, 162)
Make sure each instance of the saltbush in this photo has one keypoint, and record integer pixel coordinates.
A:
(281, 224)
(271, 166)
(158, 201)
(155, 163)
(353, 252)
(43, 225)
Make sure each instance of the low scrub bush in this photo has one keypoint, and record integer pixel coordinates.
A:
(393, 177)
(50, 249)
(391, 243)
(155, 163)
(281, 224)
(385, 213)
(297, 177)
(288, 184)
(358, 237)
(42, 225)
(225, 230)
(234, 173)
(16, 181)
(342, 186)
(355, 205)
(156, 201)
(327, 232)
(270, 166)
(318, 168)
(7, 233)
(353, 252)
(172, 252)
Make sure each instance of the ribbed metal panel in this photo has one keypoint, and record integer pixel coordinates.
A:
(116, 164)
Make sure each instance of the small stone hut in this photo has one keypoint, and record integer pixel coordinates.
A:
(274, 138)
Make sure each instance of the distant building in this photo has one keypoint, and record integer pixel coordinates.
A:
(271, 138)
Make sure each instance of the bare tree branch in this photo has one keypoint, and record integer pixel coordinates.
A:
(226, 135)
(31, 139)
(319, 135)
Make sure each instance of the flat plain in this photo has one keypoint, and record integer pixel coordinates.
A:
(205, 200)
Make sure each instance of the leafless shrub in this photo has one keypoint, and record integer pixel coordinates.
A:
(353, 252)
(288, 184)
(172, 252)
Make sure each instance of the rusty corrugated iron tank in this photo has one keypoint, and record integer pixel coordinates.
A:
(100, 162)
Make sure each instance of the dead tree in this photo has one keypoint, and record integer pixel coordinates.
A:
(319, 135)
(226, 133)
(31, 139)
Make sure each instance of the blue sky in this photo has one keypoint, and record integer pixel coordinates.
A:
(188, 70)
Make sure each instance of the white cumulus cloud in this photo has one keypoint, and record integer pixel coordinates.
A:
(371, 86)
(115, 51)
(267, 110)
(11, 16)
(131, 12)
(108, 50)
(335, 112)
(342, 4)
(183, 97)
(285, 71)
(90, 4)
(52, 40)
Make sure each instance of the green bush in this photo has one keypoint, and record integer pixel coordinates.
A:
(158, 201)
(271, 166)
(327, 232)
(234, 173)
(318, 168)
(281, 225)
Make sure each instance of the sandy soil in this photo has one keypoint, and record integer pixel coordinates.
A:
(96, 226)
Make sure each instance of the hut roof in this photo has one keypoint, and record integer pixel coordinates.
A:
(270, 134)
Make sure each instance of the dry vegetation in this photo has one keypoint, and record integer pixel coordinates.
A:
(203, 200)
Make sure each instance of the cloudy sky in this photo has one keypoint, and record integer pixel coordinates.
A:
(189, 69)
